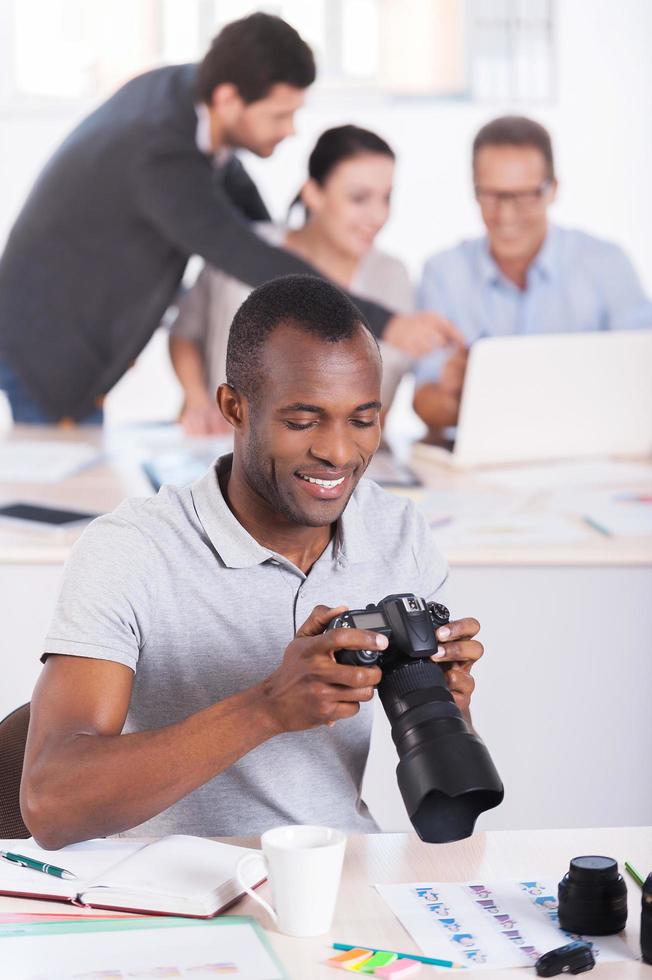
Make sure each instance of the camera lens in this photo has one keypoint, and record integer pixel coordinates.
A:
(593, 897)
(445, 774)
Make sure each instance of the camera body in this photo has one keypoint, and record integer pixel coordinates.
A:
(409, 623)
(445, 774)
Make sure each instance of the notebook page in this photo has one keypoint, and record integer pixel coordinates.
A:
(86, 860)
(177, 866)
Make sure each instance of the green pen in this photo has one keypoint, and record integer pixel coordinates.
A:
(34, 865)
(634, 873)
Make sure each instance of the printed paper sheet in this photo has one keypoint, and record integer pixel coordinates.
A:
(488, 924)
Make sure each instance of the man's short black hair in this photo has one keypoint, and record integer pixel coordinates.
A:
(517, 131)
(306, 302)
(254, 54)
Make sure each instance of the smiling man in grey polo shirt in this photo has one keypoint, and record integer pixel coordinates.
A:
(180, 692)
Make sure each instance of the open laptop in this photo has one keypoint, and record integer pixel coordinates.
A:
(553, 396)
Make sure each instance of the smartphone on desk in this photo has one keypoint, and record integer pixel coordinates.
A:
(41, 517)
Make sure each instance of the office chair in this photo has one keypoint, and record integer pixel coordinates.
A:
(13, 736)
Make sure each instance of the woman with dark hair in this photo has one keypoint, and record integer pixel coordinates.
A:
(346, 200)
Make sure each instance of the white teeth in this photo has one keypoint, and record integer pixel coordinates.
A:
(323, 483)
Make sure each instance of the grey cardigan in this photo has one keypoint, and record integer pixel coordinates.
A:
(98, 251)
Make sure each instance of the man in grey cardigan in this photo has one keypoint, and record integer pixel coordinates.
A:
(99, 249)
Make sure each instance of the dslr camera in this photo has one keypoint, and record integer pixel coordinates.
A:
(445, 773)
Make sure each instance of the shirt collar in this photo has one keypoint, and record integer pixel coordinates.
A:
(233, 543)
(353, 543)
(544, 261)
(543, 264)
(203, 139)
(238, 549)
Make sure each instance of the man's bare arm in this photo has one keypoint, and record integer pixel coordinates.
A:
(82, 778)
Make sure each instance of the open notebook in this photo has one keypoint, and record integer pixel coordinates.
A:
(176, 875)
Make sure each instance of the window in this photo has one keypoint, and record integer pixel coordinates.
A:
(58, 51)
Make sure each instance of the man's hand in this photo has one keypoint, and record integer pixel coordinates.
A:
(457, 647)
(310, 688)
(419, 333)
(451, 380)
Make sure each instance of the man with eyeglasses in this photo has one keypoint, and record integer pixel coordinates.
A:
(525, 275)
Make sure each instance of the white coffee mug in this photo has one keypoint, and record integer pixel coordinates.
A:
(304, 864)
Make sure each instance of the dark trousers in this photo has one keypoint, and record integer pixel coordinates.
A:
(25, 409)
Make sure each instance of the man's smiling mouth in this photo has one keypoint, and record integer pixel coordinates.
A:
(329, 484)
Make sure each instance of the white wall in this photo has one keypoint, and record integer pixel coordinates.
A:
(601, 125)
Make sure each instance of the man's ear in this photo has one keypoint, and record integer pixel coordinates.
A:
(226, 100)
(552, 193)
(232, 405)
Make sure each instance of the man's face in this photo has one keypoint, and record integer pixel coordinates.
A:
(315, 426)
(513, 190)
(257, 126)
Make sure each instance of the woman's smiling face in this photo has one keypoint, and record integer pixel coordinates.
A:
(353, 203)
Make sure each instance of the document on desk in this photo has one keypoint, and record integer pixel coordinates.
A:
(129, 949)
(43, 462)
(558, 475)
(490, 925)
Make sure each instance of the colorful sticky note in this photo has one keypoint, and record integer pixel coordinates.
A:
(398, 969)
(380, 958)
(350, 959)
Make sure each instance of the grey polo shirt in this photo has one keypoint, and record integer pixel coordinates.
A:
(175, 588)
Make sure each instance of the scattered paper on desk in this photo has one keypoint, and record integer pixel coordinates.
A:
(518, 530)
(551, 476)
(489, 925)
(621, 517)
(43, 462)
(126, 949)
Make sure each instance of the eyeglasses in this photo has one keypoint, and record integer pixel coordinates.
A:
(522, 200)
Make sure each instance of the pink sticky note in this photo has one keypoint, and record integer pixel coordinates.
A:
(398, 969)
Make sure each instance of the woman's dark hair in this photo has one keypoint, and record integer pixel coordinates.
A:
(254, 54)
(338, 144)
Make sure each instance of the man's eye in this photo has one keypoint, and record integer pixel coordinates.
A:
(361, 424)
(299, 425)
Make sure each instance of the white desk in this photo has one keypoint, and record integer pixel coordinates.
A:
(363, 918)
(563, 690)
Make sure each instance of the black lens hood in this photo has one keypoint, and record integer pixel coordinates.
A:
(446, 784)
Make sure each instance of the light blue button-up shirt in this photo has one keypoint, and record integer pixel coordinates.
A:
(576, 282)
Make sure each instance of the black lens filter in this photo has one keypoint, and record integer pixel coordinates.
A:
(593, 897)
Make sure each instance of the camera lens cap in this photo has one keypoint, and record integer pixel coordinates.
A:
(594, 868)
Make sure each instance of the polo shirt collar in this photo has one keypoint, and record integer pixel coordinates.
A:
(238, 549)
(352, 542)
(233, 543)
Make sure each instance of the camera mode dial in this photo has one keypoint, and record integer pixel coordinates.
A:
(439, 614)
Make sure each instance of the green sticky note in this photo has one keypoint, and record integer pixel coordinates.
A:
(381, 958)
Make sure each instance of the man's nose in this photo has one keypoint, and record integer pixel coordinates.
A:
(334, 446)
